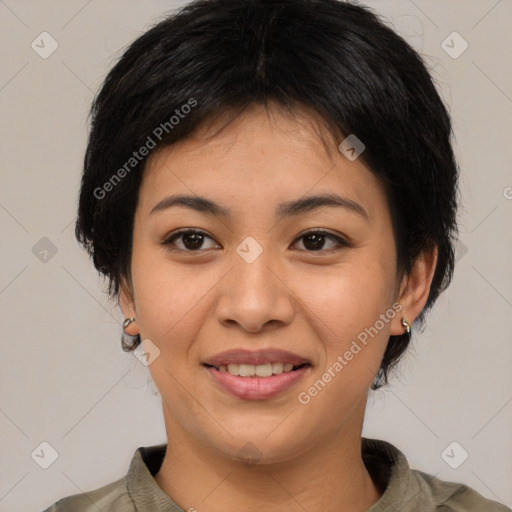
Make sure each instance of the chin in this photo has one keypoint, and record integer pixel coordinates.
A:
(262, 449)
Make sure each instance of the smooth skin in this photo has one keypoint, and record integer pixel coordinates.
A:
(195, 299)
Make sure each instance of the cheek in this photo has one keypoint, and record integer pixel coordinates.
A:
(172, 302)
(158, 291)
(344, 311)
(347, 298)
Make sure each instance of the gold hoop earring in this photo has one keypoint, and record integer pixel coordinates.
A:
(406, 325)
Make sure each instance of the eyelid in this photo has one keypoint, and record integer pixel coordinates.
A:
(168, 239)
(341, 239)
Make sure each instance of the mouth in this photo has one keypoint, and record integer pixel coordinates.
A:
(258, 358)
(256, 375)
(260, 370)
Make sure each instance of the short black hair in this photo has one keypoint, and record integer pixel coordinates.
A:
(336, 59)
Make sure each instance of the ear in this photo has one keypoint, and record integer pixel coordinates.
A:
(127, 303)
(414, 289)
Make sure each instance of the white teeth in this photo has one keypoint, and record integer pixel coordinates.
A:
(246, 370)
(277, 368)
(233, 369)
(260, 370)
(263, 370)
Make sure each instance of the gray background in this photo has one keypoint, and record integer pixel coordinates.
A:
(64, 378)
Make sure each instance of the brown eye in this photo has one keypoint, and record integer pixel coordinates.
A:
(315, 241)
(191, 240)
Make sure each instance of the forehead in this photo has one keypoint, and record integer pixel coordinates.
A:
(300, 126)
(257, 153)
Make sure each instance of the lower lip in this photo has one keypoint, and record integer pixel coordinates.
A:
(257, 388)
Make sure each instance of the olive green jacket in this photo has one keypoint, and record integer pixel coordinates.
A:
(404, 489)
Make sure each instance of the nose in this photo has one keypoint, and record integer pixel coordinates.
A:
(255, 296)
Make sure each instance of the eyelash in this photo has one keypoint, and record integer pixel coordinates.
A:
(173, 236)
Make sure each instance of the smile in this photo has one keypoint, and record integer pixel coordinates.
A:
(253, 386)
(260, 370)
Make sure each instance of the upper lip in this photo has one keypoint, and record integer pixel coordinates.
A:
(255, 357)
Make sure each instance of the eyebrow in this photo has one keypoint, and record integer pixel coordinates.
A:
(286, 209)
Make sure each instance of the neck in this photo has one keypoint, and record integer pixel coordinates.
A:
(329, 476)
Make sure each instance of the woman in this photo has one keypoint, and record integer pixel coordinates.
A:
(270, 189)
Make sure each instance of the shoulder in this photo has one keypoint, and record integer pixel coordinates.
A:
(455, 497)
(137, 490)
(109, 498)
(412, 490)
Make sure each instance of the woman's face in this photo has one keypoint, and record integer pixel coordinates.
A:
(257, 281)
